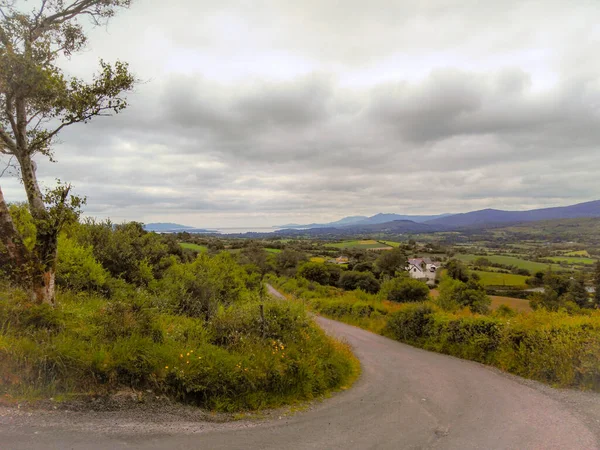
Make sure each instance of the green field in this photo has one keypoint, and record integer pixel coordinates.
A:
(511, 261)
(392, 243)
(273, 250)
(317, 259)
(365, 245)
(195, 247)
(501, 279)
(583, 253)
(572, 260)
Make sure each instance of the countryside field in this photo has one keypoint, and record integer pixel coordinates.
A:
(195, 247)
(501, 279)
(583, 253)
(369, 244)
(573, 260)
(517, 304)
(532, 266)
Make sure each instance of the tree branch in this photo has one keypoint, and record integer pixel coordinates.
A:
(8, 143)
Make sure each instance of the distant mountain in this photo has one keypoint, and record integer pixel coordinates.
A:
(345, 221)
(496, 216)
(384, 218)
(172, 228)
(364, 220)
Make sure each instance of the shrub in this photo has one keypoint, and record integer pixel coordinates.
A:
(411, 323)
(314, 271)
(76, 267)
(366, 281)
(404, 290)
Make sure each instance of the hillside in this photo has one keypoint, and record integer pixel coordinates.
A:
(496, 216)
(364, 220)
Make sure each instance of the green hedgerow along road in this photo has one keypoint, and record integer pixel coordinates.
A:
(405, 398)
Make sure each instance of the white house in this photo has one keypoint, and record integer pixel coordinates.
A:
(422, 269)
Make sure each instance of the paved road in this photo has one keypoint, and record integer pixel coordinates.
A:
(406, 399)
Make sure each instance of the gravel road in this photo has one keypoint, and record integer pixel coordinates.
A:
(406, 398)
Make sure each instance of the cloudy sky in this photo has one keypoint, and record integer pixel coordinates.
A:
(255, 113)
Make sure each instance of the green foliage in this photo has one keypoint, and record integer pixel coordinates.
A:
(457, 270)
(320, 273)
(404, 290)
(24, 224)
(88, 345)
(455, 294)
(197, 289)
(352, 280)
(558, 348)
(392, 261)
(288, 260)
(77, 268)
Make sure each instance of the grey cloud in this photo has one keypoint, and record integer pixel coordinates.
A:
(261, 113)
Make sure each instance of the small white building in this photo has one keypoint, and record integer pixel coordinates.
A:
(422, 269)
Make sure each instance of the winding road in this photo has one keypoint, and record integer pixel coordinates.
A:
(406, 398)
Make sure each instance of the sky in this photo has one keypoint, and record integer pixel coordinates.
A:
(264, 112)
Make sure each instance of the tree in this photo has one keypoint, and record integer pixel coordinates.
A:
(391, 261)
(577, 293)
(257, 256)
(287, 261)
(366, 281)
(455, 294)
(404, 290)
(314, 271)
(37, 100)
(457, 270)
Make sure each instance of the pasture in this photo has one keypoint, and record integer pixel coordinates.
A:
(583, 253)
(532, 266)
(517, 304)
(573, 260)
(501, 279)
(195, 247)
(368, 244)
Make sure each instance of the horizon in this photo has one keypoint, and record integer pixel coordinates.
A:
(253, 116)
(275, 226)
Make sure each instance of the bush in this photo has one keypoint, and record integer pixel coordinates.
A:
(90, 346)
(314, 271)
(404, 290)
(366, 281)
(197, 289)
(76, 267)
(411, 323)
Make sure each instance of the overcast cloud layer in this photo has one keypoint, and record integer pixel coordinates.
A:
(265, 112)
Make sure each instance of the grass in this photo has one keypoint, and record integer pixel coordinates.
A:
(517, 304)
(573, 260)
(273, 250)
(532, 266)
(89, 346)
(552, 347)
(583, 253)
(317, 259)
(501, 279)
(195, 247)
(368, 244)
(392, 243)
